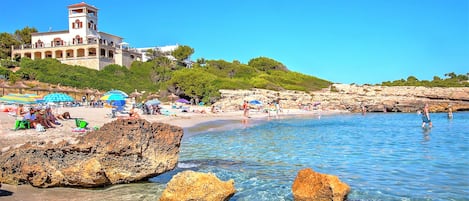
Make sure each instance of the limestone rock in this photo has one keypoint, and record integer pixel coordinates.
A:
(352, 97)
(122, 151)
(190, 185)
(310, 185)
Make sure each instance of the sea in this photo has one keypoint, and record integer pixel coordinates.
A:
(381, 156)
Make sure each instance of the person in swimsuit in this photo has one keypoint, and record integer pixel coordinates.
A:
(426, 117)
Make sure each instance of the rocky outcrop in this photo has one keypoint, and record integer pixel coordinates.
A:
(310, 185)
(122, 151)
(190, 185)
(352, 98)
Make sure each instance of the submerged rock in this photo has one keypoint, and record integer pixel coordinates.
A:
(310, 185)
(190, 185)
(122, 151)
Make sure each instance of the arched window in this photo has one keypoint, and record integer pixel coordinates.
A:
(78, 39)
(78, 24)
(39, 43)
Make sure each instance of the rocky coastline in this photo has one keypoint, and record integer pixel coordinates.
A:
(351, 98)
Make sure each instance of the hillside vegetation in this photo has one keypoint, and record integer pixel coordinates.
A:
(201, 82)
(451, 80)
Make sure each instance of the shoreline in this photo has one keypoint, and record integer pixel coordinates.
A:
(192, 123)
(97, 117)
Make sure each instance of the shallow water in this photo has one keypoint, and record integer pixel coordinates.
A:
(384, 156)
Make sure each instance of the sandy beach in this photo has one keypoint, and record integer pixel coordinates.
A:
(96, 117)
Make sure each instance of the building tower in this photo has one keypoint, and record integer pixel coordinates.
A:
(83, 23)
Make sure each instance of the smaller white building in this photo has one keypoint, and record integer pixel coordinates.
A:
(166, 50)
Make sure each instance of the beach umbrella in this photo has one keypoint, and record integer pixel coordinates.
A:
(153, 96)
(88, 91)
(113, 97)
(182, 100)
(153, 102)
(115, 91)
(20, 98)
(58, 97)
(20, 86)
(255, 102)
(98, 93)
(37, 88)
(135, 94)
(4, 85)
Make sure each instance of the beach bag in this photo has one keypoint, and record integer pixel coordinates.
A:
(40, 128)
(21, 124)
(81, 123)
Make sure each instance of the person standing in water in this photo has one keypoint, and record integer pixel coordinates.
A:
(450, 112)
(426, 117)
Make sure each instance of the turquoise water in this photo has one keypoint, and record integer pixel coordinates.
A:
(385, 156)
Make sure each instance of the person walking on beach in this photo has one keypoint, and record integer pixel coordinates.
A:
(426, 117)
(245, 109)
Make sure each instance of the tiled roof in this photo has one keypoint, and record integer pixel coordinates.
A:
(82, 4)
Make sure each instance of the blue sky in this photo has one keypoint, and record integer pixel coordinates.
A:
(343, 41)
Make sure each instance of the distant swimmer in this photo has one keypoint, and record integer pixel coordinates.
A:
(450, 112)
(426, 117)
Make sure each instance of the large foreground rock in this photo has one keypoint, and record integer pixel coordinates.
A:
(122, 151)
(190, 185)
(310, 185)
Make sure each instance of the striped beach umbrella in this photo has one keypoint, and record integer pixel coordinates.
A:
(21, 98)
(113, 97)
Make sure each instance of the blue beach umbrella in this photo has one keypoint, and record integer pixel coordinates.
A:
(125, 95)
(255, 102)
(57, 98)
(113, 97)
(153, 102)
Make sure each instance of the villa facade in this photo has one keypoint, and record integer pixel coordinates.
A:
(82, 44)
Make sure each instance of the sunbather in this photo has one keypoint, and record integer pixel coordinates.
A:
(133, 114)
(64, 116)
(31, 117)
(20, 111)
(42, 119)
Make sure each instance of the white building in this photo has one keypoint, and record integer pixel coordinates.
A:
(163, 49)
(82, 44)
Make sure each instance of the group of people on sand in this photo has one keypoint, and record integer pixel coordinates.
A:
(41, 116)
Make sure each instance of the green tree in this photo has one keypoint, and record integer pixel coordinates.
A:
(266, 64)
(24, 35)
(152, 54)
(195, 83)
(6, 41)
(450, 75)
(182, 52)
